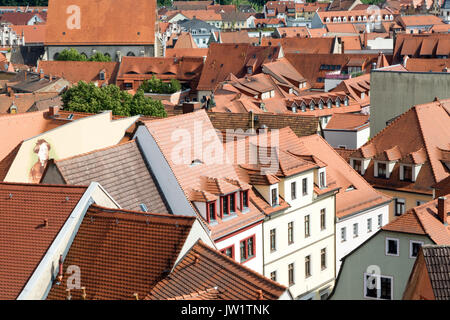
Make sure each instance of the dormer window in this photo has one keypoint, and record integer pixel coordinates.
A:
(228, 204)
(211, 214)
(102, 75)
(274, 197)
(329, 103)
(346, 101)
(381, 170)
(357, 166)
(407, 173)
(322, 182)
(311, 105)
(13, 109)
(338, 102)
(320, 105)
(244, 200)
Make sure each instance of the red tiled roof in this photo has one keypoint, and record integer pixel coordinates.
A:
(424, 126)
(191, 52)
(25, 237)
(123, 252)
(302, 45)
(428, 65)
(348, 121)
(341, 28)
(185, 41)
(411, 44)
(418, 20)
(87, 71)
(23, 101)
(423, 220)
(32, 34)
(212, 275)
(20, 18)
(133, 22)
(224, 59)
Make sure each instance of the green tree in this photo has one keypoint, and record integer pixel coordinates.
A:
(100, 57)
(155, 85)
(71, 55)
(87, 97)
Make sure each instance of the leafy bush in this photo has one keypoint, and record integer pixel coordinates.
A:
(155, 85)
(87, 97)
(73, 55)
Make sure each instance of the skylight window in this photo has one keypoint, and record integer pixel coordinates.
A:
(196, 162)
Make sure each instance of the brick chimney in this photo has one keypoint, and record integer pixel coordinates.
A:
(53, 111)
(443, 209)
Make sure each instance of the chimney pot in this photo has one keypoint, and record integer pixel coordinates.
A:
(60, 271)
(53, 111)
(442, 209)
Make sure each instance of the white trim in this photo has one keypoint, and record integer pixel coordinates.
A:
(386, 247)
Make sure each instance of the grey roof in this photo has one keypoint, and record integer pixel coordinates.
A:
(195, 24)
(437, 260)
(121, 171)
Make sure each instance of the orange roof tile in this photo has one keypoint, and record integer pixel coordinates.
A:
(32, 34)
(123, 252)
(418, 20)
(423, 220)
(75, 71)
(302, 45)
(428, 65)
(191, 52)
(205, 269)
(348, 121)
(102, 22)
(23, 101)
(185, 41)
(25, 237)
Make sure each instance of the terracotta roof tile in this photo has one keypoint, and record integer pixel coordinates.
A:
(32, 34)
(123, 252)
(133, 23)
(204, 268)
(348, 121)
(410, 44)
(428, 65)
(121, 170)
(23, 101)
(20, 18)
(25, 238)
(87, 71)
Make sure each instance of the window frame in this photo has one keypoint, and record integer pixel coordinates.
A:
(343, 233)
(273, 275)
(369, 225)
(323, 258)
(291, 274)
(247, 258)
(273, 239)
(305, 186)
(244, 204)
(293, 190)
(208, 211)
(355, 235)
(402, 202)
(378, 290)
(307, 225)
(290, 232)
(384, 176)
(386, 248)
(232, 251)
(323, 219)
(308, 272)
(411, 242)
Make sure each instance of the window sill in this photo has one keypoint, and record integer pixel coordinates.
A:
(247, 260)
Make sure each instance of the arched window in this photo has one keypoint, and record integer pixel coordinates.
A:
(339, 19)
(55, 56)
(327, 20)
(364, 18)
(130, 54)
(107, 55)
(344, 19)
(391, 17)
(84, 55)
(334, 19)
(352, 18)
(329, 103)
(338, 102)
(359, 18)
(386, 17)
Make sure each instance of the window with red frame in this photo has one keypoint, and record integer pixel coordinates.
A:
(227, 204)
(247, 248)
(244, 199)
(228, 251)
(211, 214)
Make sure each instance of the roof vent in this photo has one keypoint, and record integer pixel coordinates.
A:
(70, 117)
(143, 207)
(10, 196)
(196, 162)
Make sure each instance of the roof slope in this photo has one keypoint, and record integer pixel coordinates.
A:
(101, 22)
(208, 270)
(24, 237)
(437, 261)
(123, 252)
(348, 121)
(423, 220)
(425, 126)
(121, 170)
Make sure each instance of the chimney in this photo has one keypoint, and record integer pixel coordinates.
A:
(83, 295)
(53, 111)
(45, 222)
(442, 209)
(60, 271)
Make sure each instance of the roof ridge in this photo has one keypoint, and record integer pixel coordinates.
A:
(43, 185)
(139, 213)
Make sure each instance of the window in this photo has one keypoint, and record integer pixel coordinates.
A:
(381, 170)
(322, 179)
(355, 230)
(391, 247)
(211, 211)
(273, 276)
(407, 173)
(357, 166)
(307, 231)
(414, 247)
(293, 190)
(274, 197)
(343, 234)
(225, 207)
(291, 274)
(377, 286)
(307, 266)
(233, 202)
(102, 75)
(419, 202)
(244, 199)
(247, 247)
(380, 220)
(322, 219)
(273, 240)
(228, 204)
(228, 251)
(323, 258)
(369, 225)
(399, 206)
(305, 186)
(291, 232)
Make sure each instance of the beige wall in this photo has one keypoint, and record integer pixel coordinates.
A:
(410, 200)
(80, 136)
